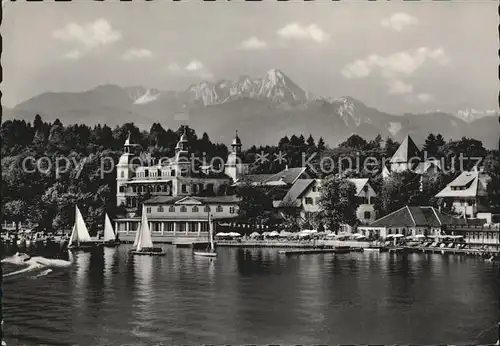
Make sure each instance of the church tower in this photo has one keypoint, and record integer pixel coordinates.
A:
(124, 171)
(234, 166)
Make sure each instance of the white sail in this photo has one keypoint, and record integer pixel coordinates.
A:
(137, 235)
(109, 234)
(211, 233)
(74, 236)
(145, 234)
(81, 228)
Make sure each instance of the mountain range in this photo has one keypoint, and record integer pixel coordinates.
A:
(262, 109)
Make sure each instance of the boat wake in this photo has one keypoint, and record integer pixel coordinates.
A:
(44, 273)
(37, 263)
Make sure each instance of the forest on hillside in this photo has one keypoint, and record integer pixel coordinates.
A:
(47, 197)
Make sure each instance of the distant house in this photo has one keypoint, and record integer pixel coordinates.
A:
(302, 199)
(411, 220)
(409, 158)
(467, 193)
(366, 197)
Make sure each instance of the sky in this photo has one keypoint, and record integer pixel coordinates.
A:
(396, 57)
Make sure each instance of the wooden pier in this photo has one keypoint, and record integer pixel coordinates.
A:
(318, 251)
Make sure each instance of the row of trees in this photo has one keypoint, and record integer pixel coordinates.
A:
(35, 190)
(338, 202)
(47, 196)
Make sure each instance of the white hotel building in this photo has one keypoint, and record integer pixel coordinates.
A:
(181, 195)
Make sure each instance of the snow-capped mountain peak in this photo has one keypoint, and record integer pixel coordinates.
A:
(274, 85)
(141, 95)
(470, 114)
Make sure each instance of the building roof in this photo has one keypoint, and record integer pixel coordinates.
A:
(423, 216)
(359, 183)
(407, 150)
(424, 167)
(236, 140)
(291, 199)
(288, 175)
(255, 178)
(195, 199)
(468, 184)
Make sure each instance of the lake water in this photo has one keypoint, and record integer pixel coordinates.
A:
(257, 296)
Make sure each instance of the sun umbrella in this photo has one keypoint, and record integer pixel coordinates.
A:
(284, 234)
(398, 235)
(221, 234)
(420, 236)
(273, 234)
(233, 234)
(254, 235)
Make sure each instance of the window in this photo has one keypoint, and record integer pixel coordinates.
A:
(122, 188)
(160, 209)
(207, 209)
(314, 188)
(232, 210)
(195, 188)
(172, 172)
(148, 210)
(309, 200)
(367, 214)
(123, 174)
(195, 209)
(183, 209)
(184, 188)
(219, 209)
(171, 209)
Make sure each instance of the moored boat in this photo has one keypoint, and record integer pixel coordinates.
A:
(80, 237)
(211, 250)
(143, 244)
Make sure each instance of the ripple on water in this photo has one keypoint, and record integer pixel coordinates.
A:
(255, 296)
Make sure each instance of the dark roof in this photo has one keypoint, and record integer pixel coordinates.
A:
(416, 216)
(407, 150)
(255, 178)
(291, 198)
(203, 200)
(288, 175)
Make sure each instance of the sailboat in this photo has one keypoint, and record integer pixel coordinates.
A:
(80, 237)
(109, 234)
(143, 244)
(211, 250)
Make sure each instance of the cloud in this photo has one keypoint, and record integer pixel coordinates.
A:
(425, 98)
(301, 32)
(194, 65)
(89, 35)
(398, 87)
(357, 69)
(193, 68)
(73, 55)
(398, 21)
(253, 43)
(403, 63)
(173, 67)
(137, 53)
